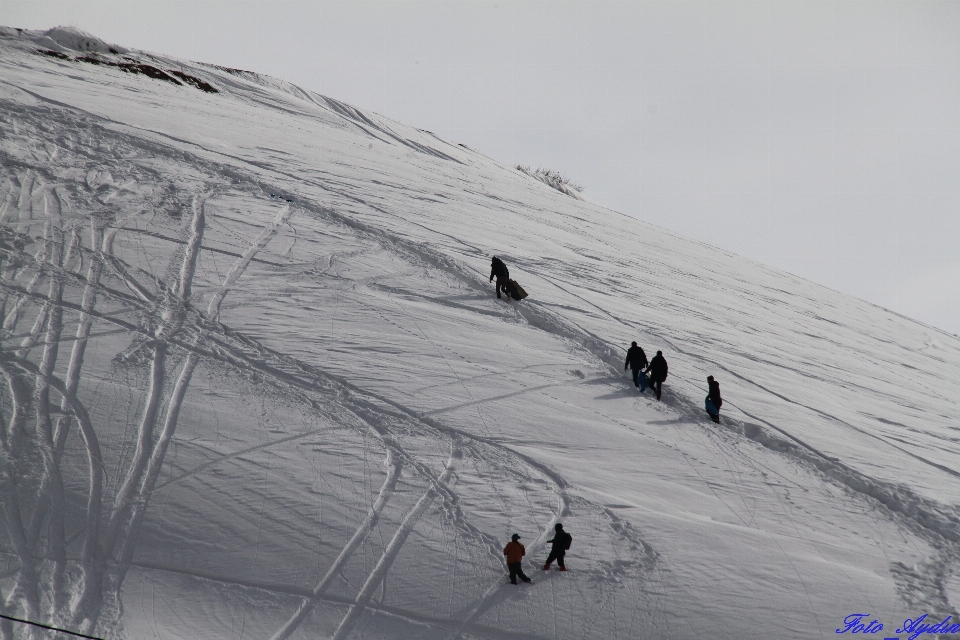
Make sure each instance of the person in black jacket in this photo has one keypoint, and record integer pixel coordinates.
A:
(713, 401)
(636, 360)
(561, 542)
(658, 372)
(499, 269)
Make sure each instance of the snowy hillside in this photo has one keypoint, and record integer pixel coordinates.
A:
(255, 384)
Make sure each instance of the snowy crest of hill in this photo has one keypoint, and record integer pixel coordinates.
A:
(255, 382)
(64, 40)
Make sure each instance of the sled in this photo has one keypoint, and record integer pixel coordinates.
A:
(643, 381)
(515, 290)
(712, 410)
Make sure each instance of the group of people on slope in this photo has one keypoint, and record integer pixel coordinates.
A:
(657, 368)
(515, 551)
(645, 374)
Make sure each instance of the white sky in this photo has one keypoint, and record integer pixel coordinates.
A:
(822, 138)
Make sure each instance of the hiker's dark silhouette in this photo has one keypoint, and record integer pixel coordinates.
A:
(561, 542)
(636, 360)
(658, 372)
(499, 270)
(713, 401)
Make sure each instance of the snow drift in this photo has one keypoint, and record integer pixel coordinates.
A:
(257, 385)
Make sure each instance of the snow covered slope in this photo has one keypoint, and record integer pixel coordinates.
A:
(257, 385)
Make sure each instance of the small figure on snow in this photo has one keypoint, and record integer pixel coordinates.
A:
(637, 360)
(713, 401)
(515, 552)
(658, 372)
(561, 542)
(499, 269)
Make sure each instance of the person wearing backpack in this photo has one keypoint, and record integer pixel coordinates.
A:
(515, 552)
(561, 542)
(499, 269)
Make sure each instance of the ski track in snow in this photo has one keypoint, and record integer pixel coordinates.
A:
(174, 227)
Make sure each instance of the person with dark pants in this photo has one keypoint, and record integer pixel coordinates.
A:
(515, 552)
(658, 372)
(636, 360)
(561, 542)
(499, 269)
(713, 401)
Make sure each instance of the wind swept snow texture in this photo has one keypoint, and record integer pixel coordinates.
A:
(255, 384)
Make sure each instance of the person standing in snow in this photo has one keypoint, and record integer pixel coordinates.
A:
(515, 552)
(561, 542)
(713, 401)
(499, 269)
(658, 372)
(636, 360)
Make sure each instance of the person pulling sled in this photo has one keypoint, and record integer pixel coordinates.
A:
(499, 271)
(515, 552)
(713, 401)
(637, 360)
(561, 543)
(511, 287)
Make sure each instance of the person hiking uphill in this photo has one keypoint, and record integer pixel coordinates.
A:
(515, 552)
(636, 360)
(658, 372)
(499, 269)
(561, 542)
(713, 401)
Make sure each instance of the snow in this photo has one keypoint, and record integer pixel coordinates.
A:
(296, 408)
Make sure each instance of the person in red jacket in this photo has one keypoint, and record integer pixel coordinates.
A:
(515, 552)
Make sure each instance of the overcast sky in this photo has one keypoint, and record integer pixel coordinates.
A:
(822, 138)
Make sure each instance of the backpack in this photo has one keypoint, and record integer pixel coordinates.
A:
(569, 541)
